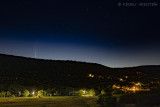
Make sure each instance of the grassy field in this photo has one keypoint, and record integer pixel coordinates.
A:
(58, 101)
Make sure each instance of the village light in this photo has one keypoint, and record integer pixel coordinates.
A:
(126, 76)
(138, 84)
(91, 75)
(134, 88)
(121, 79)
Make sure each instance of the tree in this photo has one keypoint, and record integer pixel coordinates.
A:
(44, 93)
(82, 92)
(26, 93)
(91, 92)
(102, 92)
(41, 93)
(8, 94)
(65, 90)
(49, 91)
(3, 94)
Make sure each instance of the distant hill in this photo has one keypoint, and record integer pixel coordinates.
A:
(16, 71)
(29, 72)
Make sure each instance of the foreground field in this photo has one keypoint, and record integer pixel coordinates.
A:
(65, 101)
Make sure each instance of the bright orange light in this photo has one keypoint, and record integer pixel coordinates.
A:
(134, 89)
(120, 79)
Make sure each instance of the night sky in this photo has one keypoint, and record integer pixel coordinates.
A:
(98, 31)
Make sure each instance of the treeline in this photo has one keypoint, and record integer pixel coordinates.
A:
(65, 91)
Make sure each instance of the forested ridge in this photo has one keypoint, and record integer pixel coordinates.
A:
(16, 71)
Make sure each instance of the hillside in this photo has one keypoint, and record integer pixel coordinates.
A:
(23, 72)
(39, 73)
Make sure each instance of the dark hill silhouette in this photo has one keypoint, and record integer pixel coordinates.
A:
(16, 71)
(39, 72)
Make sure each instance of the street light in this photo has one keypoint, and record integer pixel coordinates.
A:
(33, 92)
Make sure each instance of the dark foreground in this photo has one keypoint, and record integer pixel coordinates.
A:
(65, 101)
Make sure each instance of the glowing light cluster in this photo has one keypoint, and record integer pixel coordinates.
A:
(138, 84)
(91, 75)
(116, 86)
(133, 88)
